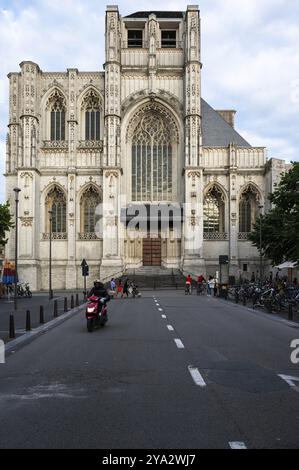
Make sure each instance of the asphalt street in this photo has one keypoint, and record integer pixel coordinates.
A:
(168, 371)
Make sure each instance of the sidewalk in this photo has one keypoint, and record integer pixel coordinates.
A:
(33, 305)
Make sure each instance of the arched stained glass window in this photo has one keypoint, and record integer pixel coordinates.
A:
(89, 217)
(248, 209)
(57, 108)
(89, 202)
(56, 202)
(214, 213)
(152, 160)
(91, 105)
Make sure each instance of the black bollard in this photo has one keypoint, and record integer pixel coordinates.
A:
(65, 305)
(77, 300)
(41, 315)
(28, 321)
(12, 333)
(72, 302)
(290, 313)
(244, 301)
(55, 309)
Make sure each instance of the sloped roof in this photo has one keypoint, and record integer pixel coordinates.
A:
(216, 132)
(159, 14)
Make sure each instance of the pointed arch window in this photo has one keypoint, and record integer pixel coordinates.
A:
(56, 202)
(89, 202)
(152, 160)
(57, 107)
(91, 106)
(248, 209)
(214, 215)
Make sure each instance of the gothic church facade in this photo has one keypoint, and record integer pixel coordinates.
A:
(139, 133)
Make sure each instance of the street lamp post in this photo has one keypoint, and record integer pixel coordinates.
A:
(50, 256)
(16, 191)
(261, 256)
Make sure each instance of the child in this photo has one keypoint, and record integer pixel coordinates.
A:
(119, 289)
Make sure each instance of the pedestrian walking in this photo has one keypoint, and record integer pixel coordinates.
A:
(113, 287)
(119, 289)
(211, 285)
(215, 288)
(126, 288)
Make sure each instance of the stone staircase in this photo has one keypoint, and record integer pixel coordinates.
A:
(157, 278)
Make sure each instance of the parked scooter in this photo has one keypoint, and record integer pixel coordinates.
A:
(96, 312)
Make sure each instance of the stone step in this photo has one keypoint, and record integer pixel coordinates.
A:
(152, 277)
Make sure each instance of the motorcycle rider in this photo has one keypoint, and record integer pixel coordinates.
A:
(99, 290)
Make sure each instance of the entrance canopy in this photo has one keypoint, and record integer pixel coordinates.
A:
(287, 265)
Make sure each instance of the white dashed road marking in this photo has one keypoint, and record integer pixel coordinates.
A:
(160, 309)
(163, 316)
(170, 328)
(237, 445)
(196, 376)
(290, 381)
(179, 344)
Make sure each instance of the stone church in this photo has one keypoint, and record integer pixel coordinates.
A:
(87, 149)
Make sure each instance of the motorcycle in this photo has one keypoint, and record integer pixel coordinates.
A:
(96, 312)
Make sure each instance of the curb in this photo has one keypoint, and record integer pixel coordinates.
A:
(30, 336)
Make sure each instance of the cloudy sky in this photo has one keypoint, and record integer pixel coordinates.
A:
(250, 53)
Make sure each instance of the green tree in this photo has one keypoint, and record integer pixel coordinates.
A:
(280, 226)
(5, 222)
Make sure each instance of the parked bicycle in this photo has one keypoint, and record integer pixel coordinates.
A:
(272, 298)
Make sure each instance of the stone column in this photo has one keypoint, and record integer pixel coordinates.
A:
(233, 213)
(71, 271)
(112, 262)
(153, 31)
(193, 224)
(28, 175)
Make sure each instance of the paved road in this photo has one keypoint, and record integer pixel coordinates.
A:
(129, 385)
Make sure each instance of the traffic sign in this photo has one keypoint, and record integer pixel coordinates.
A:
(85, 270)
